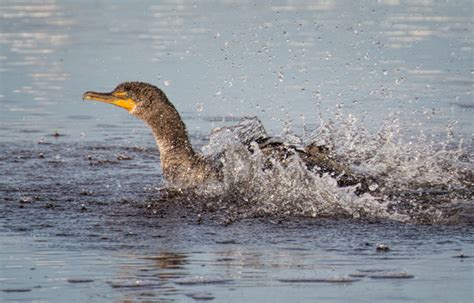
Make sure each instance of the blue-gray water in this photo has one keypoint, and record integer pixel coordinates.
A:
(78, 216)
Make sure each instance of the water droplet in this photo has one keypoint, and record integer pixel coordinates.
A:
(200, 107)
(167, 82)
(280, 76)
(373, 186)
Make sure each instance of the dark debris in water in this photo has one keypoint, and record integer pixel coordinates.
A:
(382, 248)
(391, 275)
(80, 280)
(462, 256)
(56, 134)
(226, 242)
(16, 290)
(123, 157)
(100, 162)
(357, 275)
(201, 296)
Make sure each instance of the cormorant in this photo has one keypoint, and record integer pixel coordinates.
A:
(182, 166)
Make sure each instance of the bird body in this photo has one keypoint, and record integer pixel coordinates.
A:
(182, 166)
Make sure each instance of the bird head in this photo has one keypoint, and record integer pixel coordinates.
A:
(138, 98)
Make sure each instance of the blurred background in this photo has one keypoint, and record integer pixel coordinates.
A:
(291, 63)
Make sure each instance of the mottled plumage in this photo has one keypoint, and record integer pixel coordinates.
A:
(181, 165)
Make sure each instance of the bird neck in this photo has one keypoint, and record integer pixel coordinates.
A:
(171, 136)
(180, 163)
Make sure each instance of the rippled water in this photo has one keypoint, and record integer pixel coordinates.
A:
(387, 85)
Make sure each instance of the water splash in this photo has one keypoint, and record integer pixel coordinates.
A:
(400, 163)
(426, 180)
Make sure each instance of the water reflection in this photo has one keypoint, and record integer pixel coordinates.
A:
(169, 260)
(174, 25)
(276, 61)
(223, 273)
(32, 34)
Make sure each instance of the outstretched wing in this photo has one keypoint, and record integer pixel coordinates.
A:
(316, 158)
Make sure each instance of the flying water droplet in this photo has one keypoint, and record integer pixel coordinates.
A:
(373, 186)
(280, 76)
(200, 107)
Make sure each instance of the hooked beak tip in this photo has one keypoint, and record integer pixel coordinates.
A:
(85, 96)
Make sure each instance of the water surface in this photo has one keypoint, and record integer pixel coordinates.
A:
(81, 216)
